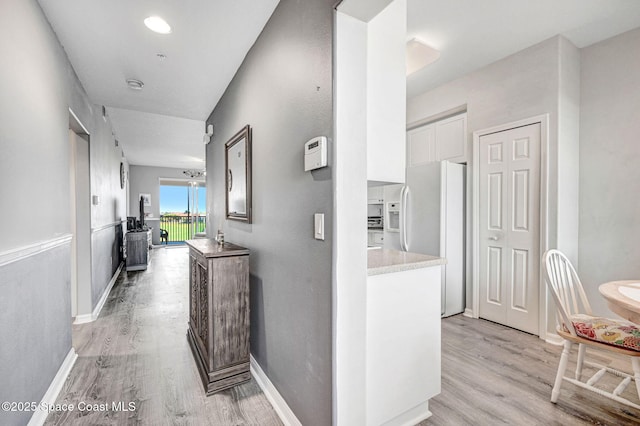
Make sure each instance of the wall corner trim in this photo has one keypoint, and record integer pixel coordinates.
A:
(21, 253)
(279, 404)
(468, 313)
(83, 319)
(39, 416)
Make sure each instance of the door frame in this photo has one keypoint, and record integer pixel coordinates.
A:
(544, 212)
(77, 127)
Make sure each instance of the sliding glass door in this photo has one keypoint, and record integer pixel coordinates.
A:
(182, 210)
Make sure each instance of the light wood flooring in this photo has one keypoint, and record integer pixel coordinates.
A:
(495, 375)
(137, 351)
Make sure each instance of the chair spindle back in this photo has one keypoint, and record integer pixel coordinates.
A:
(566, 288)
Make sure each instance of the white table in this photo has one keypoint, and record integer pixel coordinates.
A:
(623, 298)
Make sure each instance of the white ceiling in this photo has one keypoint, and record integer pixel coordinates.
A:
(107, 43)
(157, 139)
(473, 33)
(163, 124)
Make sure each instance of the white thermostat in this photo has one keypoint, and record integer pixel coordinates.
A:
(315, 153)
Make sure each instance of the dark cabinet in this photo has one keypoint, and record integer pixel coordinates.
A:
(219, 313)
(137, 250)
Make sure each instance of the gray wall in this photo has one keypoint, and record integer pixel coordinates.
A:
(33, 127)
(146, 180)
(38, 86)
(283, 90)
(35, 327)
(105, 158)
(35, 309)
(609, 164)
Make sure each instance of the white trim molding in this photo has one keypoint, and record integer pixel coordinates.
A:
(468, 313)
(78, 123)
(83, 319)
(544, 212)
(21, 253)
(39, 416)
(107, 226)
(279, 404)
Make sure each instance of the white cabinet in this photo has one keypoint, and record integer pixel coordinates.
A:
(375, 194)
(451, 141)
(386, 98)
(378, 238)
(442, 140)
(375, 238)
(422, 145)
(403, 344)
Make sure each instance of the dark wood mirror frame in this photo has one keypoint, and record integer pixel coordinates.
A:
(237, 164)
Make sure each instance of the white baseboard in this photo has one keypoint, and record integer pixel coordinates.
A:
(83, 319)
(279, 404)
(554, 339)
(468, 313)
(39, 416)
(411, 417)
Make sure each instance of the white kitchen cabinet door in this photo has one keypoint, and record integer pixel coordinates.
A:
(375, 238)
(442, 140)
(403, 345)
(375, 194)
(386, 97)
(378, 238)
(451, 141)
(422, 145)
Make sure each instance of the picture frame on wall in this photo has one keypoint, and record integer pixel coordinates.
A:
(147, 199)
(237, 160)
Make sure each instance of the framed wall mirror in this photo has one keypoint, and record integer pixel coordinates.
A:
(237, 160)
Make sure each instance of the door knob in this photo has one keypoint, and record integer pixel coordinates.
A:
(493, 238)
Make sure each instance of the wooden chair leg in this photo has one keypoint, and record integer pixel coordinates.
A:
(581, 351)
(564, 359)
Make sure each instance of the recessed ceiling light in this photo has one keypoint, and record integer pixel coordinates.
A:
(135, 84)
(157, 25)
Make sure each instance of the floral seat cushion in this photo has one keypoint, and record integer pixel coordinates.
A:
(604, 330)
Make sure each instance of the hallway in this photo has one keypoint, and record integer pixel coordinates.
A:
(136, 354)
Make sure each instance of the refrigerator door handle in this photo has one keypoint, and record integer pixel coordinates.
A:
(404, 195)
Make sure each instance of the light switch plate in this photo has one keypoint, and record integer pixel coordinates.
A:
(318, 226)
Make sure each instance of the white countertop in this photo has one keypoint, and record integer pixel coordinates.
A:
(386, 261)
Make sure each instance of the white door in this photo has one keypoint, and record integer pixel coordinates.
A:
(509, 234)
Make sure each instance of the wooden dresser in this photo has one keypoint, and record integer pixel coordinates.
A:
(219, 312)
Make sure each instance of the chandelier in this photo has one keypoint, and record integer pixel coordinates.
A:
(192, 173)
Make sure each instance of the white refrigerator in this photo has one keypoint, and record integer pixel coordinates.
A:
(432, 221)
